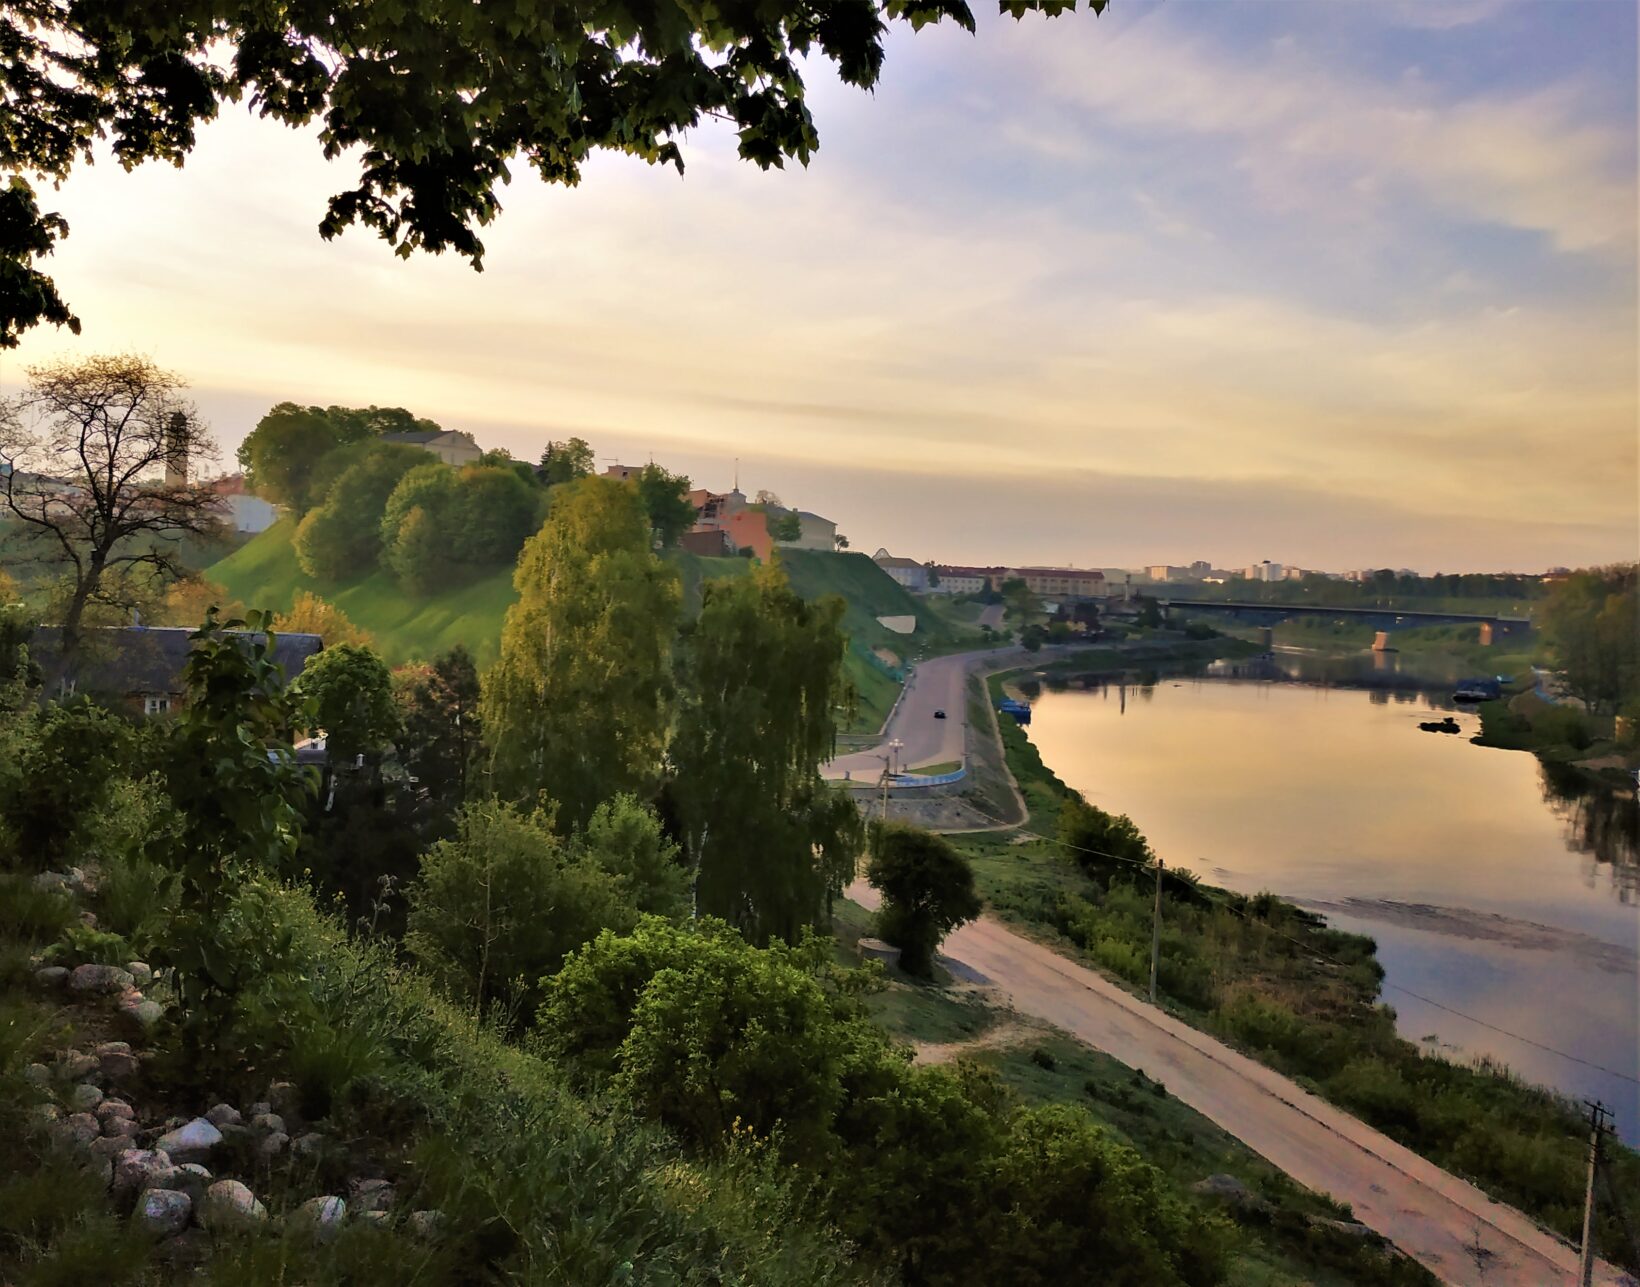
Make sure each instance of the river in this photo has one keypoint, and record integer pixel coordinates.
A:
(1490, 886)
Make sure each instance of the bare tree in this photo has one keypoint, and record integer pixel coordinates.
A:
(96, 456)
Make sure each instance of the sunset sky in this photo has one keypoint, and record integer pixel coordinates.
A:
(1334, 285)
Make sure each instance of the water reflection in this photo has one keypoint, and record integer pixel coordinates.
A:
(1599, 821)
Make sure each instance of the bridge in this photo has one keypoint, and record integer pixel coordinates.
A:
(1377, 618)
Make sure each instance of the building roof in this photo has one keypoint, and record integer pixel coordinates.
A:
(893, 561)
(804, 513)
(149, 659)
(1086, 574)
(421, 437)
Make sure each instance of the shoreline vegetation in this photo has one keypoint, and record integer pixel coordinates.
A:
(1273, 980)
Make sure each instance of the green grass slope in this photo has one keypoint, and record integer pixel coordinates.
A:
(265, 574)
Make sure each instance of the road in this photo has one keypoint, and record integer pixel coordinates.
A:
(1432, 1216)
(935, 685)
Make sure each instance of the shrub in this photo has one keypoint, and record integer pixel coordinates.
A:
(928, 890)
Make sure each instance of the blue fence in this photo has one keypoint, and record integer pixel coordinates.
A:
(919, 780)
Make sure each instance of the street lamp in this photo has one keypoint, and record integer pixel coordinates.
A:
(894, 749)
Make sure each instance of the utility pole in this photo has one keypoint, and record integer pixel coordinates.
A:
(1156, 932)
(1597, 1128)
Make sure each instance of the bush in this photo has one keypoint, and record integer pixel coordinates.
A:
(928, 890)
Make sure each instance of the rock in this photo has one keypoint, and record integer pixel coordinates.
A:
(39, 1074)
(98, 979)
(283, 1097)
(114, 1108)
(51, 880)
(83, 1097)
(193, 1179)
(163, 1212)
(190, 1142)
(75, 1064)
(230, 1206)
(78, 1129)
(102, 1168)
(111, 1146)
(310, 1145)
(1224, 1186)
(115, 1060)
(221, 1115)
(41, 1116)
(88, 919)
(322, 1217)
(133, 1166)
(268, 1123)
(51, 977)
(143, 1015)
(257, 1109)
(376, 1219)
(273, 1144)
(142, 974)
(119, 1127)
(426, 1224)
(371, 1195)
(1348, 1228)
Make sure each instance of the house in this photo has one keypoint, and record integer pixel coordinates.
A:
(241, 511)
(1075, 583)
(140, 667)
(956, 579)
(714, 543)
(908, 572)
(624, 473)
(452, 446)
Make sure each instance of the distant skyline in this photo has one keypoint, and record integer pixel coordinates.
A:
(1338, 286)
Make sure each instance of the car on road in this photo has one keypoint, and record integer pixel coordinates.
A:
(939, 714)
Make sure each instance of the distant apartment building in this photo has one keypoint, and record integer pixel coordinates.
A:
(1076, 583)
(239, 510)
(624, 473)
(452, 446)
(1169, 572)
(908, 572)
(1265, 571)
(956, 579)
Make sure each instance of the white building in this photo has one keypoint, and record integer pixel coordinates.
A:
(452, 446)
(908, 572)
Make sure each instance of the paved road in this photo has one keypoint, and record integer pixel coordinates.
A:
(1430, 1215)
(936, 684)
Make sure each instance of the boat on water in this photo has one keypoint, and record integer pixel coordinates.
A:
(1477, 690)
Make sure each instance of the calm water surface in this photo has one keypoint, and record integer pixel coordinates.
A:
(1488, 887)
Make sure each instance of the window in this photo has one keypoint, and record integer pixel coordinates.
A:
(155, 705)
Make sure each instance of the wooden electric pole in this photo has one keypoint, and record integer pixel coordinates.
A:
(1597, 1128)
(1156, 933)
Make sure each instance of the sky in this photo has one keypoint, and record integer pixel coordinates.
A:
(1337, 285)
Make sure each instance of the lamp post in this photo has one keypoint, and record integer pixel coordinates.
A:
(894, 749)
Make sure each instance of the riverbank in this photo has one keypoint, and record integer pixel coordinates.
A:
(1274, 980)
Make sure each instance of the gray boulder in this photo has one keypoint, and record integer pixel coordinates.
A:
(141, 973)
(83, 1097)
(133, 1166)
(118, 1127)
(163, 1212)
(75, 1064)
(310, 1145)
(39, 1074)
(51, 977)
(371, 1195)
(321, 1217)
(273, 1144)
(267, 1123)
(190, 1142)
(112, 1107)
(229, 1206)
(426, 1224)
(193, 1179)
(76, 1130)
(142, 1014)
(115, 1060)
(99, 980)
(221, 1115)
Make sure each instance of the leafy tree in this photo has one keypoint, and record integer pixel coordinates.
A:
(1032, 637)
(1104, 844)
(564, 462)
(186, 602)
(230, 776)
(60, 773)
(1150, 613)
(438, 709)
(281, 455)
(666, 499)
(500, 905)
(1020, 602)
(767, 499)
(840, 541)
(348, 695)
(498, 511)
(311, 615)
(99, 478)
(341, 539)
(577, 704)
(927, 888)
(763, 679)
(1592, 621)
(788, 527)
(419, 525)
(626, 839)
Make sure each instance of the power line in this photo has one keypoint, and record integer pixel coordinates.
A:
(1208, 893)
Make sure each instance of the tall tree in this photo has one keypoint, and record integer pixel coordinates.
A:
(927, 888)
(98, 453)
(341, 539)
(311, 615)
(666, 499)
(1592, 621)
(763, 681)
(348, 694)
(438, 706)
(577, 704)
(434, 100)
(564, 462)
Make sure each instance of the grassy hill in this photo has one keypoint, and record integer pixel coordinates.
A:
(264, 574)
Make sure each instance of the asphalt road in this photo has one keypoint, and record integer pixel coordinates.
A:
(1432, 1216)
(936, 684)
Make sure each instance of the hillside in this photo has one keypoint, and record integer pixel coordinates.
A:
(264, 574)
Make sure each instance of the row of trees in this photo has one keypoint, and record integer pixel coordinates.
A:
(1592, 622)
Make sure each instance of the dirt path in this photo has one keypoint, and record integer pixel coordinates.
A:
(1010, 1032)
(1432, 1216)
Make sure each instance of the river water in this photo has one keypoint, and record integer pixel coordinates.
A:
(1489, 886)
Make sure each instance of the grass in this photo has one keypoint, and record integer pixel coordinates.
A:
(264, 574)
(935, 770)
